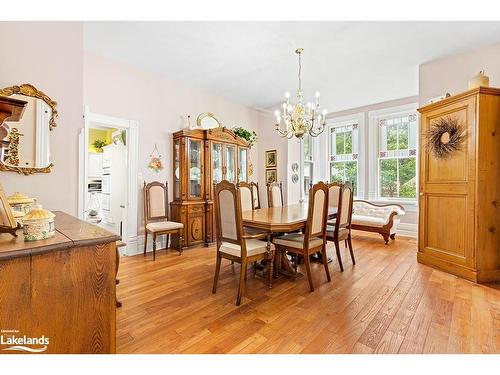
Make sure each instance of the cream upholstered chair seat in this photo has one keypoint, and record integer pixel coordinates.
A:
(296, 240)
(254, 247)
(163, 225)
(343, 232)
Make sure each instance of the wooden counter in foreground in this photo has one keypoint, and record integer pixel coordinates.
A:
(62, 289)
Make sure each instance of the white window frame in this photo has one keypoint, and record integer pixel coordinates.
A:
(374, 139)
(338, 122)
(310, 161)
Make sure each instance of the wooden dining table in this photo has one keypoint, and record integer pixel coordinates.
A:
(284, 219)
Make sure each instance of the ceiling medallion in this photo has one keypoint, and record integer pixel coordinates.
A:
(300, 119)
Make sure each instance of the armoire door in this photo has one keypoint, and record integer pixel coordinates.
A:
(446, 223)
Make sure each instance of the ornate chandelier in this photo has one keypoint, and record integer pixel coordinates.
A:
(300, 119)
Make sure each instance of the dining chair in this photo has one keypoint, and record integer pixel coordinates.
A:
(156, 215)
(246, 196)
(313, 239)
(256, 194)
(340, 229)
(233, 243)
(275, 194)
(334, 195)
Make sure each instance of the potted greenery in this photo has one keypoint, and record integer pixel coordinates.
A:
(249, 136)
(99, 144)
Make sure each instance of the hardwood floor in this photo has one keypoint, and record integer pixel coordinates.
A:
(386, 303)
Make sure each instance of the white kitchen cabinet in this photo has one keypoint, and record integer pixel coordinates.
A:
(95, 165)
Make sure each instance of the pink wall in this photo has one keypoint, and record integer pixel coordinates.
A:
(160, 106)
(451, 74)
(49, 56)
(270, 140)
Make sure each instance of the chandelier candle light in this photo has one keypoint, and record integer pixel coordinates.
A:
(300, 119)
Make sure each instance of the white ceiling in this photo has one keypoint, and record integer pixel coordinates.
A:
(350, 63)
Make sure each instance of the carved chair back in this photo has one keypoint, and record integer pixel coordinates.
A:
(334, 194)
(317, 212)
(155, 201)
(275, 194)
(256, 195)
(344, 211)
(246, 194)
(228, 214)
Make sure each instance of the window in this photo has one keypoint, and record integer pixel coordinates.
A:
(343, 153)
(307, 143)
(397, 157)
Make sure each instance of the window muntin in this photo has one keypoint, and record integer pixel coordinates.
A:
(343, 158)
(397, 170)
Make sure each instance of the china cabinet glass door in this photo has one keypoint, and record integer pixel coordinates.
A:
(230, 163)
(195, 148)
(242, 167)
(216, 163)
(177, 172)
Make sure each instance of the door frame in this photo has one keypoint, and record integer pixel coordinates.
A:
(129, 229)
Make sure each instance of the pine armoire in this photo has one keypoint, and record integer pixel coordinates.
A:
(202, 158)
(459, 197)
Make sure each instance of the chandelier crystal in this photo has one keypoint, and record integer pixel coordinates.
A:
(300, 119)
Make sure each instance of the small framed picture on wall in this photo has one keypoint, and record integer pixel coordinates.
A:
(271, 159)
(271, 175)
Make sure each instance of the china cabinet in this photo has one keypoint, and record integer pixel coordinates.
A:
(202, 158)
(460, 193)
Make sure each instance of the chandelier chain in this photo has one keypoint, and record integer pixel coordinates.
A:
(300, 69)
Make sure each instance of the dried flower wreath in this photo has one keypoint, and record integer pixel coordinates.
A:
(445, 136)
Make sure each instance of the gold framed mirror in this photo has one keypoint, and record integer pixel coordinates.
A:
(207, 121)
(25, 144)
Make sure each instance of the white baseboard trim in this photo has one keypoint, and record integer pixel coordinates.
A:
(135, 245)
(407, 230)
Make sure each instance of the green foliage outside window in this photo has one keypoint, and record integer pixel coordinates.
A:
(345, 171)
(390, 170)
(344, 142)
(398, 174)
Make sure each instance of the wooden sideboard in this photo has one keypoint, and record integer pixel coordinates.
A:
(62, 288)
(202, 158)
(459, 225)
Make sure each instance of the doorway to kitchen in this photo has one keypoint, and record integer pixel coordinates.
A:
(108, 184)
